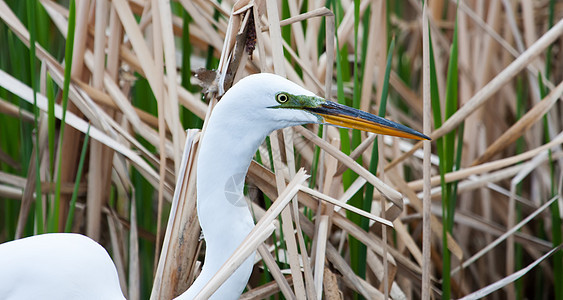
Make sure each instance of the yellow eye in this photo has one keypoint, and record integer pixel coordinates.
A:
(282, 98)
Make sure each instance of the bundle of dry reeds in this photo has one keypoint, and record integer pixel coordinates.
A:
(475, 211)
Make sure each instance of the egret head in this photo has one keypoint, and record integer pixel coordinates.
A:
(271, 99)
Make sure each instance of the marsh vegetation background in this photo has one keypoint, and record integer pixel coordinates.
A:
(482, 202)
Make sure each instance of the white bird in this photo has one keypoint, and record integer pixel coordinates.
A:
(57, 266)
(246, 114)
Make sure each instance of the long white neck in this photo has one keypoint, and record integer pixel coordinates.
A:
(225, 153)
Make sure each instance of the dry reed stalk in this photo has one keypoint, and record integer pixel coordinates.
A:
(117, 251)
(13, 110)
(426, 200)
(134, 291)
(159, 94)
(280, 280)
(322, 226)
(287, 223)
(176, 263)
(265, 291)
(178, 135)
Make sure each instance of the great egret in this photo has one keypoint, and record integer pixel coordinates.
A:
(247, 113)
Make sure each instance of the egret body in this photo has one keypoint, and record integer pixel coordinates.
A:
(246, 114)
(57, 266)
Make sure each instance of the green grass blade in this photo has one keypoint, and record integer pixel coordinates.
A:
(143, 98)
(518, 251)
(286, 31)
(31, 9)
(357, 249)
(72, 205)
(212, 62)
(54, 217)
(451, 101)
(549, 55)
(446, 148)
(437, 116)
(556, 231)
(357, 85)
(316, 157)
(50, 90)
(457, 166)
(374, 162)
(189, 119)
(448, 201)
(385, 87)
(357, 74)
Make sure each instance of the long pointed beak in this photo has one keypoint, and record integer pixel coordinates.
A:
(344, 116)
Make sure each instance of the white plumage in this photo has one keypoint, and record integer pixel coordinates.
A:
(57, 266)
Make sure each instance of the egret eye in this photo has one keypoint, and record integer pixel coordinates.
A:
(282, 98)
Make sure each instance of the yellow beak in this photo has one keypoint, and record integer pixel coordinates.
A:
(344, 116)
